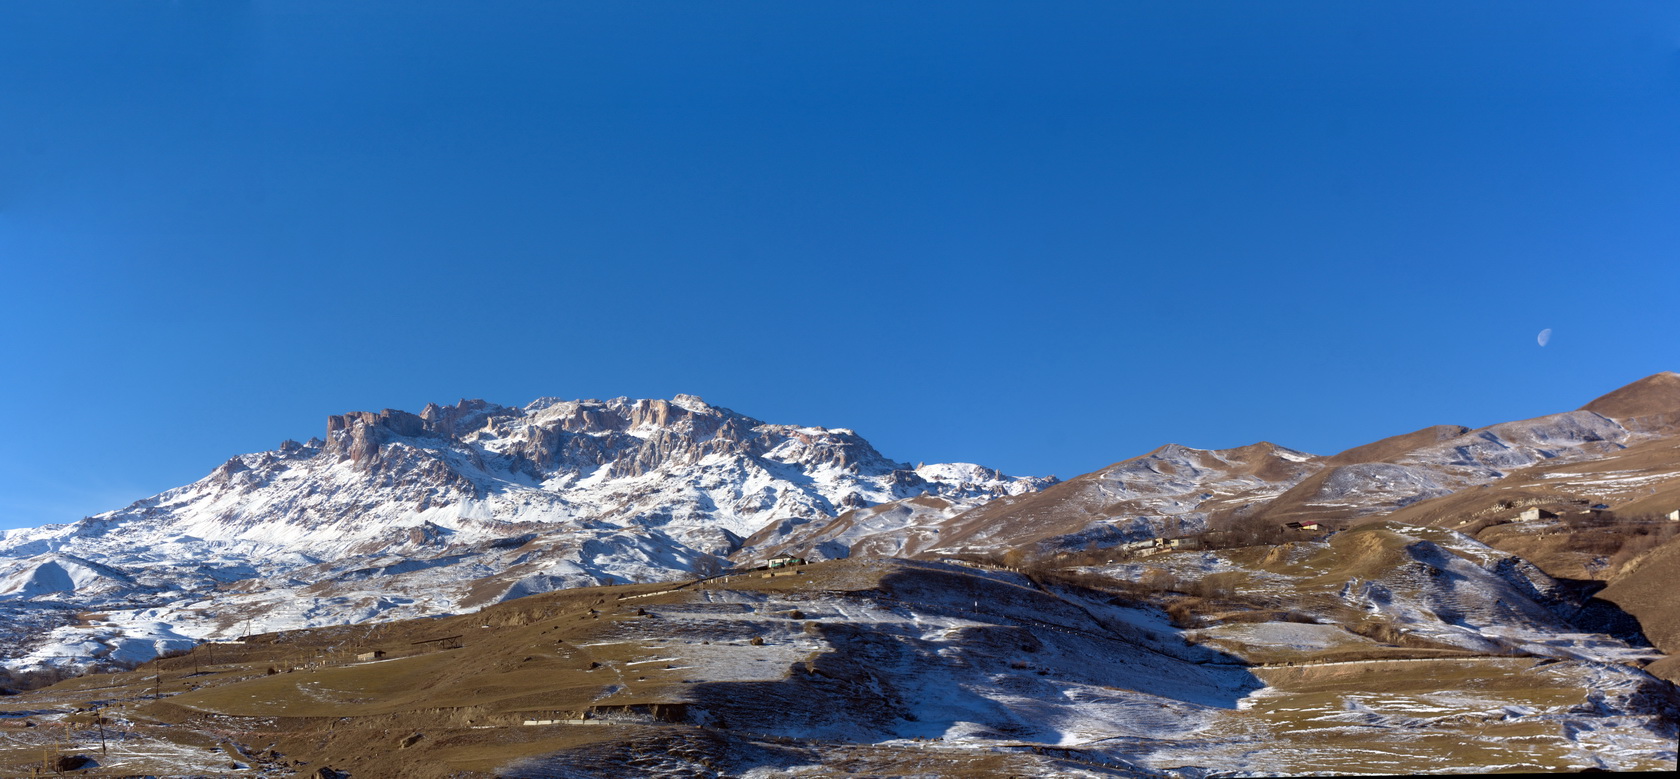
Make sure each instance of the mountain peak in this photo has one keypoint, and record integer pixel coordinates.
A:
(690, 402)
(1657, 395)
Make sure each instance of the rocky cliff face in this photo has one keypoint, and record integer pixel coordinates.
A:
(481, 468)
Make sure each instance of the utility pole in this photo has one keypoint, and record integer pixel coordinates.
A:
(157, 668)
(99, 717)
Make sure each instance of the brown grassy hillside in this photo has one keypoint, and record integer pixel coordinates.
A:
(1650, 591)
(1652, 402)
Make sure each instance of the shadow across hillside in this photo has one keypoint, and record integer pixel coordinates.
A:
(1591, 614)
(929, 652)
(949, 653)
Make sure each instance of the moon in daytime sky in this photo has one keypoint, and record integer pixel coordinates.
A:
(1545, 336)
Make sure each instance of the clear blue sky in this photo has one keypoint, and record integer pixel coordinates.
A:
(1038, 236)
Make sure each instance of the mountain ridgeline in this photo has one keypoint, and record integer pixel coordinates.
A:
(396, 514)
(584, 588)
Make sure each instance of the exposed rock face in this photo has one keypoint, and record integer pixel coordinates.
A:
(634, 438)
(358, 435)
(643, 462)
(630, 437)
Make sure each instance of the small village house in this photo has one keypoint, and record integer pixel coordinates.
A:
(1530, 514)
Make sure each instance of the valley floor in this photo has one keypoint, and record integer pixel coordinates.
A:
(891, 668)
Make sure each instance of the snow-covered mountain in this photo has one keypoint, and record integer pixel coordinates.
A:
(395, 514)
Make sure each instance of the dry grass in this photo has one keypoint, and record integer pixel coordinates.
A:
(1309, 717)
(515, 657)
(553, 656)
(1581, 546)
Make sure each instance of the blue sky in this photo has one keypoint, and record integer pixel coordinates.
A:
(1039, 236)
